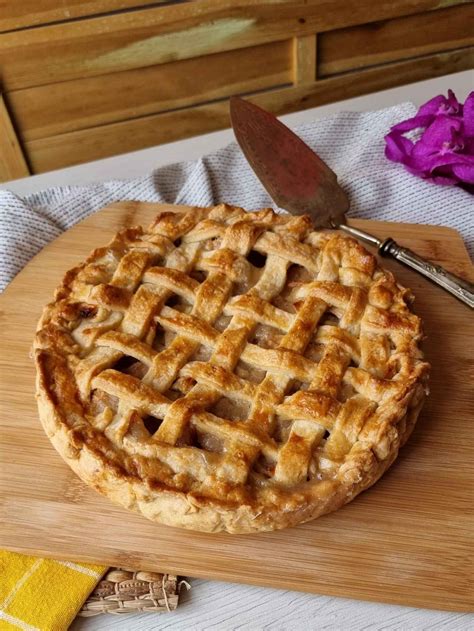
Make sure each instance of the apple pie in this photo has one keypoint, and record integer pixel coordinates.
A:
(229, 370)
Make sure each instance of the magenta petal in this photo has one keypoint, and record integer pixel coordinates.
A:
(469, 145)
(444, 154)
(413, 123)
(432, 106)
(443, 181)
(440, 131)
(441, 105)
(458, 167)
(452, 105)
(422, 164)
(441, 136)
(397, 147)
(435, 160)
(469, 115)
(441, 175)
(419, 172)
(444, 175)
(464, 172)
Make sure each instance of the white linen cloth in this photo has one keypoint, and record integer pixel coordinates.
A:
(352, 143)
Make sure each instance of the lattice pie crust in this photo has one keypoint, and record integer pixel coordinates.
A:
(226, 370)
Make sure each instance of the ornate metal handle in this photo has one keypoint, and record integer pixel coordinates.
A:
(461, 289)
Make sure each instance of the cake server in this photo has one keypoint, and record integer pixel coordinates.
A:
(300, 182)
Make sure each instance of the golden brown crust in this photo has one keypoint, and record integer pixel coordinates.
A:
(226, 370)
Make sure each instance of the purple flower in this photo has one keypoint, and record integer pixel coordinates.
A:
(444, 153)
(441, 105)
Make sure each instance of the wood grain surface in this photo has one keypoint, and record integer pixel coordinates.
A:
(12, 161)
(57, 108)
(219, 606)
(304, 59)
(66, 149)
(407, 540)
(410, 36)
(177, 30)
(15, 14)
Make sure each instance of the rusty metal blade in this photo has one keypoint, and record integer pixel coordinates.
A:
(295, 177)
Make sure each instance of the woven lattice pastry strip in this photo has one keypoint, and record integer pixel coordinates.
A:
(225, 370)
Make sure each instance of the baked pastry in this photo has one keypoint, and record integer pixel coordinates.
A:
(225, 370)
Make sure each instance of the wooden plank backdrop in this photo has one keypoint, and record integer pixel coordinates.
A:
(406, 540)
(81, 66)
(382, 42)
(16, 14)
(57, 108)
(93, 143)
(12, 161)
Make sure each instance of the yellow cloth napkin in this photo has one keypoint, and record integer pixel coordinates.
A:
(42, 594)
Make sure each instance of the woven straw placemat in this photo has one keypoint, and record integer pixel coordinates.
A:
(124, 591)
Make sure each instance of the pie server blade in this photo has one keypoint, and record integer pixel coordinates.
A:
(299, 181)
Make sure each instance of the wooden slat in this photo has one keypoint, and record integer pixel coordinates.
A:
(400, 38)
(135, 39)
(71, 105)
(16, 14)
(12, 161)
(407, 540)
(91, 144)
(304, 59)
